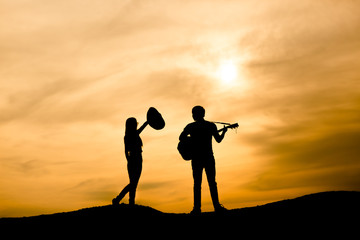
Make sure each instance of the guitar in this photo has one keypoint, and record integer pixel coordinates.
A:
(185, 147)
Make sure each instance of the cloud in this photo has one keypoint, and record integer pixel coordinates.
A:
(306, 93)
(180, 85)
(290, 46)
(23, 104)
(312, 152)
(151, 185)
(96, 189)
(18, 165)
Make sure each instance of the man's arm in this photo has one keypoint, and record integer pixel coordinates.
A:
(184, 134)
(217, 136)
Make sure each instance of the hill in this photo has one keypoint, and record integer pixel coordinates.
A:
(331, 210)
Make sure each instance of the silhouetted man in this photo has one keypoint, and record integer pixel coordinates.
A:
(201, 133)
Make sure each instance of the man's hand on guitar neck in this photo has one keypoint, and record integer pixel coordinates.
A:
(225, 129)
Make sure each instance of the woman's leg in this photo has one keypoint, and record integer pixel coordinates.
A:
(134, 168)
(121, 195)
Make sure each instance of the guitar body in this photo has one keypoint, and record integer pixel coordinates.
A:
(185, 148)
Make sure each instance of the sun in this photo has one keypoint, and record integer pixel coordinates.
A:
(227, 72)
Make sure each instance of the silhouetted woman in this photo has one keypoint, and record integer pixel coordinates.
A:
(133, 153)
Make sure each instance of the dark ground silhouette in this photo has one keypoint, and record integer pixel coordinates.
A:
(325, 214)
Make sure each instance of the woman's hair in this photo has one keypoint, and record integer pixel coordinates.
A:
(130, 126)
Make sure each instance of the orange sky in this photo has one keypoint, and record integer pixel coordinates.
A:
(72, 72)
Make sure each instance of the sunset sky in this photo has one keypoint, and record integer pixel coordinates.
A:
(73, 71)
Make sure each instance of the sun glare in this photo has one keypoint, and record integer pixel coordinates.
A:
(227, 72)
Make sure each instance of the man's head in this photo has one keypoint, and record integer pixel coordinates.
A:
(198, 113)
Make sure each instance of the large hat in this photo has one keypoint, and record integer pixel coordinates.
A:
(155, 119)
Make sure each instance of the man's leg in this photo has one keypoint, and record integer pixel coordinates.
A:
(197, 175)
(211, 175)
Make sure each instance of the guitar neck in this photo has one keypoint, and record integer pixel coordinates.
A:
(230, 126)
